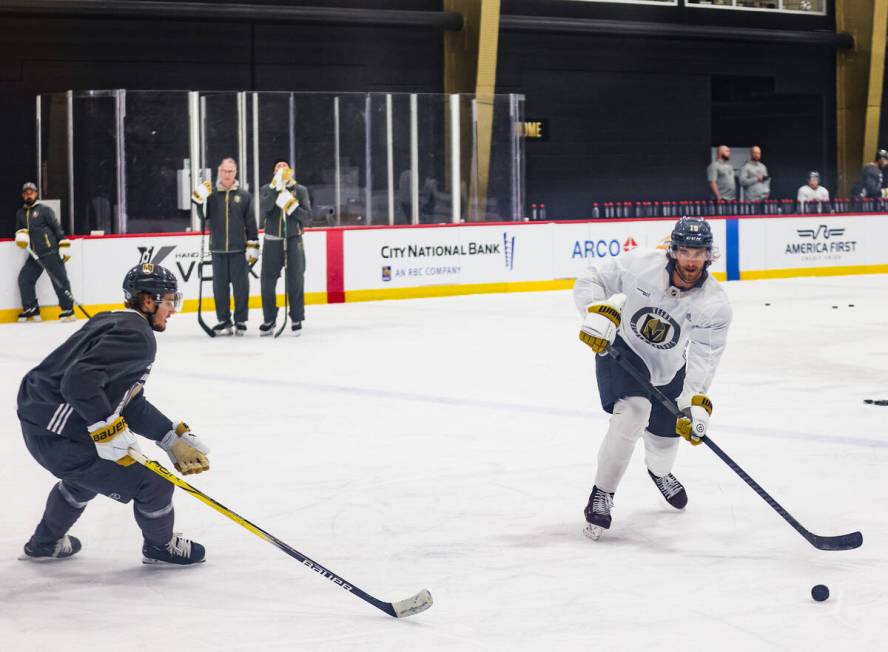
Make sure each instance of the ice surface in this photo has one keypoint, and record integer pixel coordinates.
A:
(450, 444)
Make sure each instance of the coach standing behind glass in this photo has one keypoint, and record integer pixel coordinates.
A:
(720, 175)
(754, 177)
(285, 208)
(234, 242)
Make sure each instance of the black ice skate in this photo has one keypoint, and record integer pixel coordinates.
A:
(223, 328)
(673, 490)
(178, 551)
(30, 314)
(64, 548)
(598, 513)
(296, 328)
(240, 328)
(267, 328)
(66, 315)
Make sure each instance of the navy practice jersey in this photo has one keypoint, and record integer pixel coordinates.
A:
(84, 380)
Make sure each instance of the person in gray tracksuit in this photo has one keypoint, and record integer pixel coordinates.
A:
(286, 208)
(233, 237)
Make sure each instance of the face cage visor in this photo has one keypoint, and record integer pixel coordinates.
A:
(176, 301)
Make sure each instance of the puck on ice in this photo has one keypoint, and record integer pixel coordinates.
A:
(820, 592)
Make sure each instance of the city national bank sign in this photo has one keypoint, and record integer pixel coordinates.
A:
(437, 261)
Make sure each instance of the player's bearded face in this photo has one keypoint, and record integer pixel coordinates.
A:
(690, 263)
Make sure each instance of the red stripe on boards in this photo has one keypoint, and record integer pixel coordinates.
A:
(335, 267)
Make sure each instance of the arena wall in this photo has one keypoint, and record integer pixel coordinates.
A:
(372, 263)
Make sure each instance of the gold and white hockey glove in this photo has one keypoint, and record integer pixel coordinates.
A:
(65, 249)
(287, 201)
(599, 329)
(252, 251)
(697, 410)
(282, 179)
(22, 239)
(187, 453)
(113, 439)
(201, 192)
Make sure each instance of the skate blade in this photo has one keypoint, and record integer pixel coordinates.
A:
(67, 318)
(147, 561)
(42, 560)
(266, 333)
(593, 532)
(239, 334)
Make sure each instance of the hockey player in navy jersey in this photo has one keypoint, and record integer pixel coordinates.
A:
(669, 318)
(79, 410)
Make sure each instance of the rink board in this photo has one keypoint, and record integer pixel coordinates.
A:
(371, 263)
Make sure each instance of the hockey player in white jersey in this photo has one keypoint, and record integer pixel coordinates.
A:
(669, 318)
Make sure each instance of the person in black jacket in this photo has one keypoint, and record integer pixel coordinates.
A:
(79, 408)
(233, 235)
(38, 229)
(286, 208)
(871, 177)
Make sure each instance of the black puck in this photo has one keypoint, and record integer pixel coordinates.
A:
(820, 592)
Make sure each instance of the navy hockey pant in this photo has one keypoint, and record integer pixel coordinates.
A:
(614, 384)
(272, 262)
(231, 270)
(83, 475)
(27, 280)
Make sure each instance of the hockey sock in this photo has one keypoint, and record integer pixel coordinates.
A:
(64, 506)
(629, 418)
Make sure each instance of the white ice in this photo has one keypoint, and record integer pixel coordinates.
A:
(450, 444)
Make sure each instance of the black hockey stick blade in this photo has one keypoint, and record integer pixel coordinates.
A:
(841, 542)
(401, 609)
(286, 296)
(200, 281)
(875, 401)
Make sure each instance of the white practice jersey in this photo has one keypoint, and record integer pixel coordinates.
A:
(665, 326)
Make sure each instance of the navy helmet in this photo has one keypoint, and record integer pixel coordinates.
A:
(152, 279)
(693, 232)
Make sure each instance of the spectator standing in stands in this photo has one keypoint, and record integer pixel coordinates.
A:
(754, 177)
(720, 174)
(812, 191)
(870, 184)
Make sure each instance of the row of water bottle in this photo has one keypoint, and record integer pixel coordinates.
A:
(712, 208)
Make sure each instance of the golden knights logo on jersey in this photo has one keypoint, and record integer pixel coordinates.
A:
(654, 330)
(655, 327)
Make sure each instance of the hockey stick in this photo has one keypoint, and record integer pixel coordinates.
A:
(200, 281)
(55, 283)
(401, 609)
(841, 542)
(286, 286)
